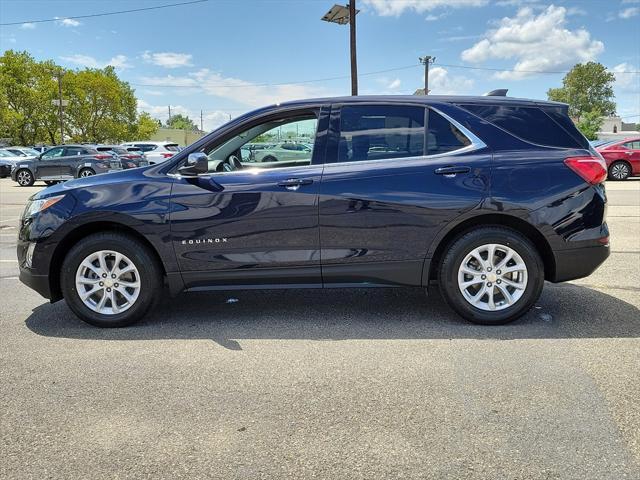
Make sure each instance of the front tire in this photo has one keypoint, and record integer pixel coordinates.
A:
(491, 275)
(111, 280)
(86, 172)
(619, 170)
(25, 178)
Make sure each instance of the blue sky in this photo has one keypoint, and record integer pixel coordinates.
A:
(224, 56)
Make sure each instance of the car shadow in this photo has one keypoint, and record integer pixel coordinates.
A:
(563, 311)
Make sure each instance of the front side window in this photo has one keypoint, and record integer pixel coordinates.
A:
(376, 132)
(53, 153)
(273, 144)
(443, 136)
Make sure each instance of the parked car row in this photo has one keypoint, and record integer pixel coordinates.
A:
(63, 162)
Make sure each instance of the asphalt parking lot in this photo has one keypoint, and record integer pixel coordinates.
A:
(380, 383)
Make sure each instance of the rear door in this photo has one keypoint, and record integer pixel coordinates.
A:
(633, 155)
(74, 160)
(395, 175)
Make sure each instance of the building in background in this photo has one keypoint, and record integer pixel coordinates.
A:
(174, 135)
(614, 128)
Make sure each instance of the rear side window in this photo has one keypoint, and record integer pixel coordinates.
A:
(635, 145)
(74, 151)
(377, 132)
(172, 147)
(532, 124)
(146, 147)
(443, 136)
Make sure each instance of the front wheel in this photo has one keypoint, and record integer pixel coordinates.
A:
(619, 170)
(491, 275)
(86, 172)
(110, 280)
(25, 178)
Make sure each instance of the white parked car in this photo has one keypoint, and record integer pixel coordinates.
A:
(155, 152)
(22, 152)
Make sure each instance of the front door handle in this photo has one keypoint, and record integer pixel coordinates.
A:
(294, 183)
(451, 170)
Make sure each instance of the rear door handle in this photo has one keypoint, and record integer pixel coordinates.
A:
(294, 183)
(451, 170)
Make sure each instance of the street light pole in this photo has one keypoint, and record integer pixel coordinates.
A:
(342, 15)
(352, 42)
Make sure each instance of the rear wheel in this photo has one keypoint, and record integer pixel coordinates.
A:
(86, 172)
(619, 170)
(24, 178)
(111, 280)
(491, 275)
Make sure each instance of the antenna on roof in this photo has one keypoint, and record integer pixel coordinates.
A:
(500, 92)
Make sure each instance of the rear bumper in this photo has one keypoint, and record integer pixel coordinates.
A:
(578, 262)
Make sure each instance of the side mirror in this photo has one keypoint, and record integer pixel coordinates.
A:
(196, 164)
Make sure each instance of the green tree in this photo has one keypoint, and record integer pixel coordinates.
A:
(101, 106)
(588, 87)
(27, 89)
(181, 122)
(145, 127)
(590, 123)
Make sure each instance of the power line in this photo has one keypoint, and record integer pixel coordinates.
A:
(104, 14)
(493, 69)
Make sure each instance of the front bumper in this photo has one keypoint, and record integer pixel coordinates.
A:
(39, 283)
(578, 262)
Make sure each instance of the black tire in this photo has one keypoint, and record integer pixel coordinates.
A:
(269, 158)
(25, 178)
(619, 170)
(50, 182)
(86, 172)
(463, 245)
(150, 273)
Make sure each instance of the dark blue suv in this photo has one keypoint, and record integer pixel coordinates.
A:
(488, 196)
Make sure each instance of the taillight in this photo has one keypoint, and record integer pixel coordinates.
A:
(592, 169)
(102, 157)
(167, 155)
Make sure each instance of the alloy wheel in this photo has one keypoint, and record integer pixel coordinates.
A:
(108, 282)
(620, 171)
(492, 277)
(24, 178)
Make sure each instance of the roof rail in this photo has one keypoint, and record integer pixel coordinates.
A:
(500, 92)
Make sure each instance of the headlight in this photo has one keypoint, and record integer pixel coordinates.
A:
(37, 206)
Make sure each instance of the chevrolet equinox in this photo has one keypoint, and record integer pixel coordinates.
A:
(487, 196)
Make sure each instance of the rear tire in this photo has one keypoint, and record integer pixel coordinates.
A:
(86, 172)
(24, 178)
(96, 264)
(619, 170)
(511, 286)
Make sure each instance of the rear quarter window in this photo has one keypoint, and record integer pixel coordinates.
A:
(550, 127)
(173, 147)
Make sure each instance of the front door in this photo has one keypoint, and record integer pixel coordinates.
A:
(389, 185)
(244, 223)
(50, 163)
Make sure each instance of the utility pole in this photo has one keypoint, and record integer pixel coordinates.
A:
(426, 60)
(201, 128)
(352, 42)
(59, 77)
(169, 122)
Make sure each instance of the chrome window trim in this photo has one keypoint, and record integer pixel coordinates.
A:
(476, 143)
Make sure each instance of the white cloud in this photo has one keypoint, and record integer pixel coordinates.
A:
(119, 61)
(629, 12)
(624, 79)
(68, 22)
(28, 26)
(396, 8)
(441, 82)
(394, 84)
(241, 91)
(537, 42)
(168, 59)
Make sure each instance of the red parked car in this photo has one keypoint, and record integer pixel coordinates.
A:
(622, 157)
